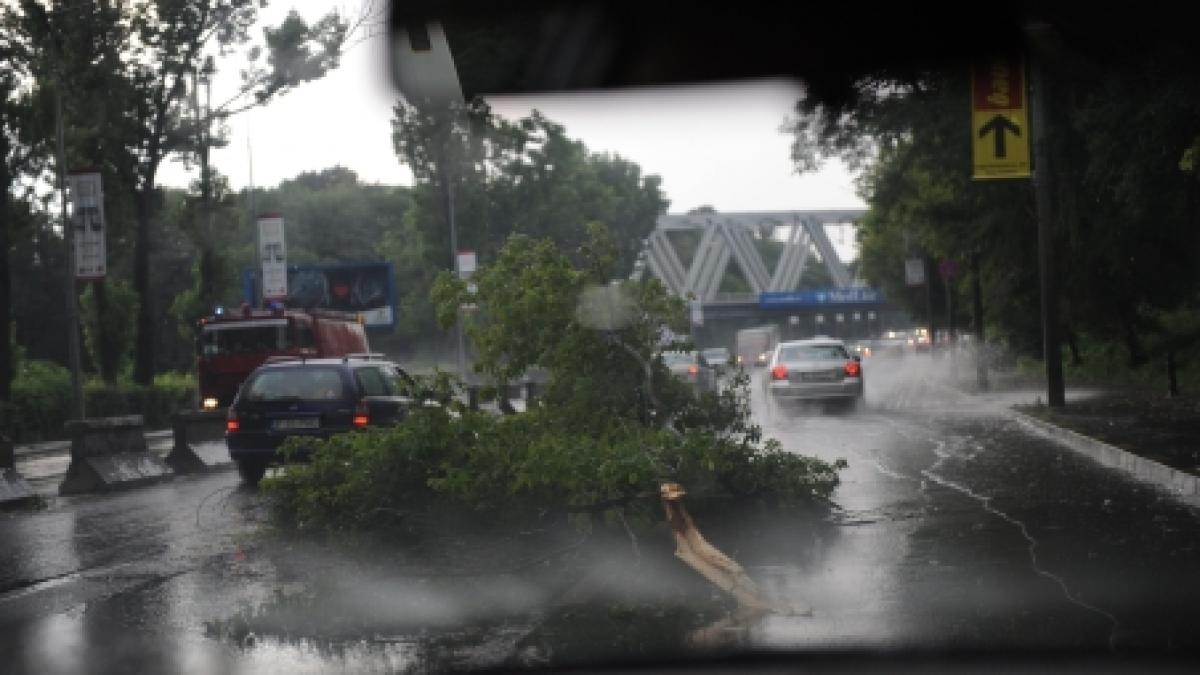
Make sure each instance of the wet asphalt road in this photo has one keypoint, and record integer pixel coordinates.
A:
(957, 528)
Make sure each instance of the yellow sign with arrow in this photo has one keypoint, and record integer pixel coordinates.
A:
(999, 121)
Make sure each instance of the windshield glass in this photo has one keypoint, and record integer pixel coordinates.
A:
(251, 338)
(679, 358)
(604, 331)
(812, 353)
(304, 384)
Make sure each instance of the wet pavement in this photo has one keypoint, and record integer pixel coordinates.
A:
(956, 528)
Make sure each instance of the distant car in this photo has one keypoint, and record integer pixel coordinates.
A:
(691, 368)
(718, 358)
(863, 349)
(314, 398)
(814, 369)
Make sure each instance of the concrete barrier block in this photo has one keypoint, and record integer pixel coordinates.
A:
(109, 453)
(199, 441)
(13, 488)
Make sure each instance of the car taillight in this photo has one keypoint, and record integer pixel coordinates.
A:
(693, 369)
(779, 373)
(853, 369)
(231, 420)
(362, 416)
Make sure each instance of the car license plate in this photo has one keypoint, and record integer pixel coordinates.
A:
(298, 423)
(827, 376)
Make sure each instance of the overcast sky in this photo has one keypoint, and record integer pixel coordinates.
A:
(718, 144)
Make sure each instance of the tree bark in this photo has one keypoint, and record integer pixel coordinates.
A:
(108, 352)
(1133, 343)
(981, 365)
(929, 274)
(1172, 379)
(1073, 345)
(143, 367)
(6, 346)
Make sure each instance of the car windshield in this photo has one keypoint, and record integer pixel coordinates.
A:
(812, 353)
(302, 384)
(457, 263)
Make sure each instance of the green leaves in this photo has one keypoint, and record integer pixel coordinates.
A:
(516, 466)
(596, 443)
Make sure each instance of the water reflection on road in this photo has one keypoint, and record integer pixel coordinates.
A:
(952, 528)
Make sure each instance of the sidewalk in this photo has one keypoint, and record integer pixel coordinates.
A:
(1145, 434)
(1147, 424)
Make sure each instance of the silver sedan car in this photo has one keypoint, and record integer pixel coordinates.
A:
(814, 369)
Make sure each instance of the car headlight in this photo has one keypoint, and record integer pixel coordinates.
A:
(209, 403)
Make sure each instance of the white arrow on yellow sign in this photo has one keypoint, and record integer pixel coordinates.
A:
(999, 121)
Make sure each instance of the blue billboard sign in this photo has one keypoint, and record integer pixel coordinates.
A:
(368, 289)
(819, 298)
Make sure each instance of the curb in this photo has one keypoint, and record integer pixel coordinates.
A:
(1182, 486)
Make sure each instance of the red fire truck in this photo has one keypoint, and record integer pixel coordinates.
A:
(230, 345)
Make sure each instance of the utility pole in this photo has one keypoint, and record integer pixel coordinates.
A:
(72, 297)
(1043, 195)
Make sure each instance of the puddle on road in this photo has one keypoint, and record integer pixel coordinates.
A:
(304, 631)
(571, 635)
(603, 606)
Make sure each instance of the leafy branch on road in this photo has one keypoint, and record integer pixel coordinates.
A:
(595, 450)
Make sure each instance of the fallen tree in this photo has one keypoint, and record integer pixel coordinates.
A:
(613, 425)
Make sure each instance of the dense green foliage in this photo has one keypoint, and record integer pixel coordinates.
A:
(522, 465)
(41, 404)
(613, 425)
(1120, 138)
(524, 176)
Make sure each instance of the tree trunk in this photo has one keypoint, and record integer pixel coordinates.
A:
(1133, 343)
(143, 367)
(1073, 345)
(6, 346)
(108, 352)
(1172, 380)
(207, 273)
(981, 365)
(929, 273)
